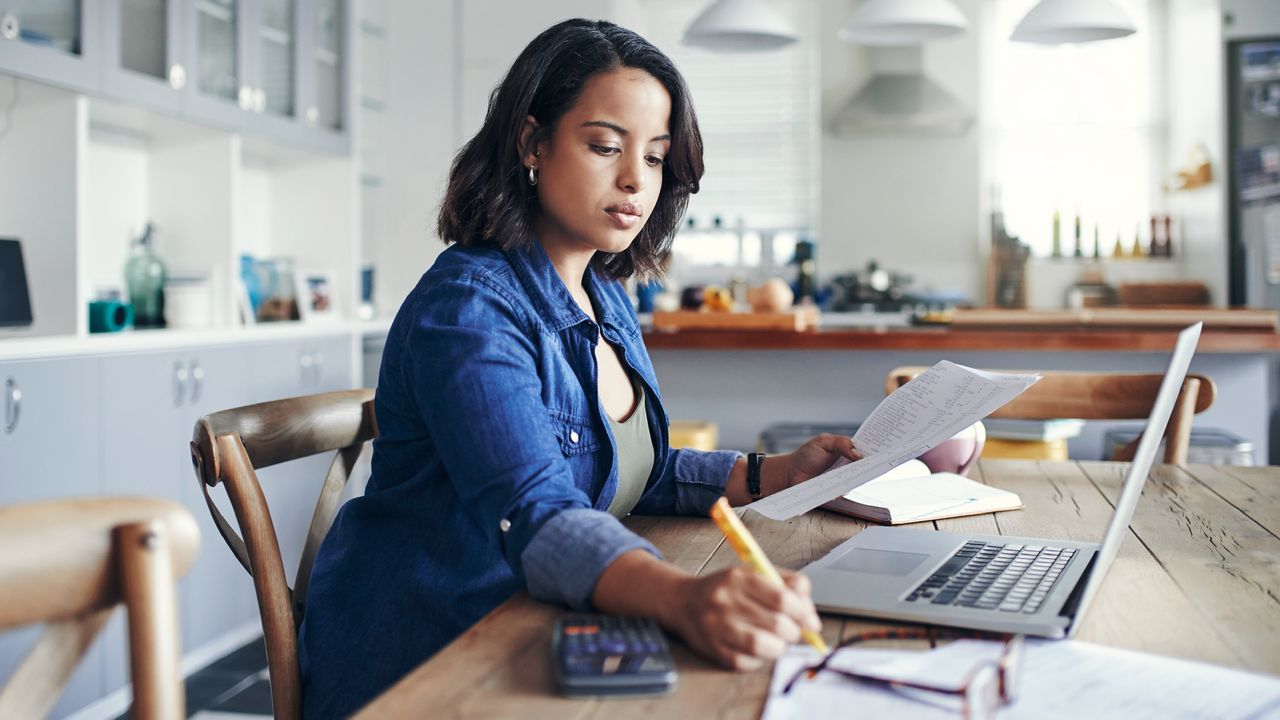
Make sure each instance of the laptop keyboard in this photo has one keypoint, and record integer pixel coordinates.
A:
(1008, 578)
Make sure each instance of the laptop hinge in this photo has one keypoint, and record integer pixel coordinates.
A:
(1072, 604)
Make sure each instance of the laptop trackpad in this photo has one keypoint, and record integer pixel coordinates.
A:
(879, 562)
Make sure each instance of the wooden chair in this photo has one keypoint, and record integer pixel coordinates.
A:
(226, 449)
(68, 563)
(1101, 396)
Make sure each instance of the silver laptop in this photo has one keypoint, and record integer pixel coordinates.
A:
(1005, 584)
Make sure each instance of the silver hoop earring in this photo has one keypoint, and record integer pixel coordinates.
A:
(533, 175)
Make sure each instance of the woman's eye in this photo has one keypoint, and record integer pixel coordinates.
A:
(605, 150)
(653, 160)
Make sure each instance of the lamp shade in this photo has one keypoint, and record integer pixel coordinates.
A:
(740, 26)
(1054, 22)
(902, 22)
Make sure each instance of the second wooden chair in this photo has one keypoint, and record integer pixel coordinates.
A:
(226, 449)
(1101, 396)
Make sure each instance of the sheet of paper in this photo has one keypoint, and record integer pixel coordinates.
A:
(939, 403)
(1060, 679)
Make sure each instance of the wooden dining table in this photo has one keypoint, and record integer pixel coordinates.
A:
(1198, 577)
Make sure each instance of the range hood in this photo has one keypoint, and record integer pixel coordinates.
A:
(900, 99)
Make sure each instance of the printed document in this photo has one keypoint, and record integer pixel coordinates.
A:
(937, 404)
(1058, 679)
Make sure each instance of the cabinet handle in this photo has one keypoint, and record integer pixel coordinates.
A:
(12, 405)
(259, 100)
(312, 115)
(9, 26)
(177, 76)
(246, 97)
(180, 375)
(197, 382)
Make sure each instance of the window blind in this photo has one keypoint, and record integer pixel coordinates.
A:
(759, 120)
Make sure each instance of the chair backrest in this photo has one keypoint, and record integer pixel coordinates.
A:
(226, 449)
(1100, 396)
(68, 563)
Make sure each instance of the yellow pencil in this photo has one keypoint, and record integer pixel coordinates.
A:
(750, 553)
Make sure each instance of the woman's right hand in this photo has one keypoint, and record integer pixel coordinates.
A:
(739, 619)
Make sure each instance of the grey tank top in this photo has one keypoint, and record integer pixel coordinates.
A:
(635, 456)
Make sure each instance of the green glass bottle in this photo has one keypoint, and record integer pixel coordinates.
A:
(144, 276)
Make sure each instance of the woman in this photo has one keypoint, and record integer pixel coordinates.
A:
(519, 414)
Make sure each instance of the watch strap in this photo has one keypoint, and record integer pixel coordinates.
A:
(754, 461)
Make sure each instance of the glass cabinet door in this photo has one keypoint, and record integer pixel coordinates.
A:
(217, 52)
(142, 62)
(276, 52)
(47, 40)
(144, 38)
(53, 24)
(327, 110)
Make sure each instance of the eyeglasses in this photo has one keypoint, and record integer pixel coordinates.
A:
(988, 686)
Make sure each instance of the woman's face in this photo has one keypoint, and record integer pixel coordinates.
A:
(600, 172)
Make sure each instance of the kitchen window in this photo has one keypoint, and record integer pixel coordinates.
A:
(1073, 128)
(760, 127)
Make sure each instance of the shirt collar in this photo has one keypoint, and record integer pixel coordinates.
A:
(557, 306)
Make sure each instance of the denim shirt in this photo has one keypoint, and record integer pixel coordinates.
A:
(492, 472)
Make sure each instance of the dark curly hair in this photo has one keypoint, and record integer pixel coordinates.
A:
(489, 200)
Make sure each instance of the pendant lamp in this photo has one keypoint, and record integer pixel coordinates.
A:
(740, 26)
(902, 22)
(1054, 22)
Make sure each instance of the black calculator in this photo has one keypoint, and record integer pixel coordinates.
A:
(596, 654)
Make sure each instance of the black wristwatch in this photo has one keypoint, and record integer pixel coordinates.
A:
(753, 474)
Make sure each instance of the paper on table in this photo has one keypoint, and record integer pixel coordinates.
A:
(1060, 679)
(939, 403)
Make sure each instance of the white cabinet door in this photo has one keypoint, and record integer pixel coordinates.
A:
(49, 447)
(150, 402)
(283, 370)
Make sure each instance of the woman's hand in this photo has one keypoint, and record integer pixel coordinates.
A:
(739, 619)
(815, 456)
(780, 472)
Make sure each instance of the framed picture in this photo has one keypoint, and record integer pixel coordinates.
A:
(317, 297)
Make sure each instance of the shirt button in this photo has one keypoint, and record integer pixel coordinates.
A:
(573, 436)
(504, 524)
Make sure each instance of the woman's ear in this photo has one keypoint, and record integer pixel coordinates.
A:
(528, 142)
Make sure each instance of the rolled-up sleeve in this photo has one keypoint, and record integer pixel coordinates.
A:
(690, 483)
(565, 559)
(475, 379)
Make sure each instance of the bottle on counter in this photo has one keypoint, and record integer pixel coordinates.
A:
(1097, 242)
(144, 276)
(1137, 250)
(1079, 249)
(1117, 250)
(1057, 234)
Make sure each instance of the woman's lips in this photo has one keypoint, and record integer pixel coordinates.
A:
(622, 219)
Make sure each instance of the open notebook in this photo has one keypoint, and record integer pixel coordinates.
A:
(910, 493)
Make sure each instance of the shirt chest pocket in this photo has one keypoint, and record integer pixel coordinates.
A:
(576, 436)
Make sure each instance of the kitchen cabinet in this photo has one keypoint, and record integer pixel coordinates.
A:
(142, 62)
(150, 402)
(288, 370)
(49, 449)
(51, 41)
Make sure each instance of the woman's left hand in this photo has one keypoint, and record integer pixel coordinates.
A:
(816, 456)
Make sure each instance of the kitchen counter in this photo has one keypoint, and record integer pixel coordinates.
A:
(1054, 339)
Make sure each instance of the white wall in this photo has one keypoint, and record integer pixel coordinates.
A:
(911, 203)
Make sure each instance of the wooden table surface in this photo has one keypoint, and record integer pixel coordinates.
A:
(1198, 577)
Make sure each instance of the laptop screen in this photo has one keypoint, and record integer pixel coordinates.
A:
(15, 301)
(1142, 460)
